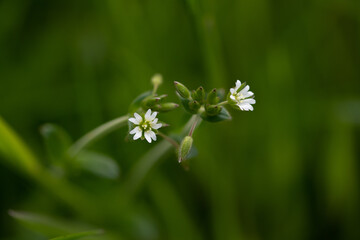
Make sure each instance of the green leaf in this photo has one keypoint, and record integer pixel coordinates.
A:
(57, 142)
(98, 164)
(46, 225)
(138, 101)
(14, 150)
(79, 235)
(222, 116)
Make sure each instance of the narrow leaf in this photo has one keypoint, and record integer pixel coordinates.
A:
(15, 151)
(98, 164)
(46, 225)
(57, 142)
(75, 236)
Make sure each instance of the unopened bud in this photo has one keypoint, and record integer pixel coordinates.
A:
(157, 80)
(212, 97)
(165, 107)
(182, 90)
(212, 110)
(199, 95)
(150, 101)
(194, 105)
(185, 148)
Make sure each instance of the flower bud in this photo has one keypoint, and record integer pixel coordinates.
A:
(194, 106)
(199, 95)
(162, 96)
(165, 107)
(185, 148)
(212, 97)
(150, 101)
(212, 110)
(157, 80)
(182, 90)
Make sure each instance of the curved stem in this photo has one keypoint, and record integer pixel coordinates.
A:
(169, 139)
(96, 134)
(223, 103)
(197, 119)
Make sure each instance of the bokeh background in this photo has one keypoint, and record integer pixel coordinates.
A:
(287, 170)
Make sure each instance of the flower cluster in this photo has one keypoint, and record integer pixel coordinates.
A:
(146, 126)
(242, 97)
(207, 106)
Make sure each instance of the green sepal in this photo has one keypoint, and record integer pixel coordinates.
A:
(212, 97)
(182, 90)
(150, 101)
(185, 148)
(222, 116)
(212, 110)
(165, 107)
(137, 103)
(199, 95)
(194, 106)
(241, 87)
(186, 104)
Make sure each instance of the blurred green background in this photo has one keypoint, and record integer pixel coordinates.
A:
(288, 170)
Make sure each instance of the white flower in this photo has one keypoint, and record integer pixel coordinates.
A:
(242, 98)
(145, 126)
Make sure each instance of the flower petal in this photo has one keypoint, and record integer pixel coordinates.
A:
(153, 116)
(134, 120)
(244, 91)
(148, 115)
(156, 126)
(135, 130)
(238, 84)
(137, 135)
(248, 94)
(153, 135)
(249, 101)
(138, 117)
(148, 136)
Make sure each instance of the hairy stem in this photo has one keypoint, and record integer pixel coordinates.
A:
(196, 121)
(97, 133)
(169, 139)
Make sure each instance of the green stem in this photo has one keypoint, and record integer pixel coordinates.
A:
(192, 129)
(223, 103)
(97, 133)
(169, 139)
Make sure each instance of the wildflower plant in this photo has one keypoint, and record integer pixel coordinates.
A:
(144, 123)
(146, 110)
